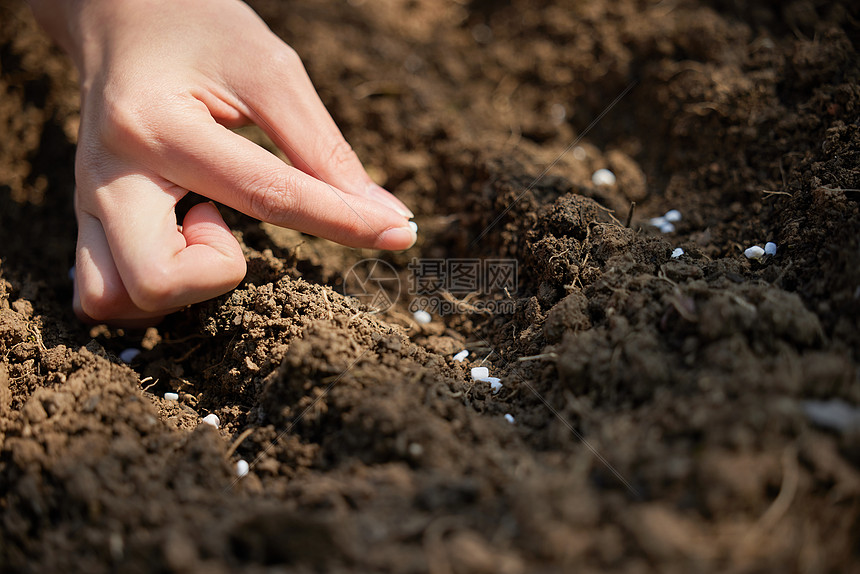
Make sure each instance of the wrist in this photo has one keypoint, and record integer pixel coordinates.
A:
(78, 27)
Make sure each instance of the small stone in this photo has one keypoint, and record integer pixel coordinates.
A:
(213, 420)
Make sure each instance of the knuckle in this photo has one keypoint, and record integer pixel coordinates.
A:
(341, 156)
(136, 120)
(277, 62)
(284, 57)
(120, 118)
(101, 306)
(92, 172)
(270, 196)
(153, 290)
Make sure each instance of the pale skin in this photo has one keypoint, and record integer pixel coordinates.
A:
(162, 83)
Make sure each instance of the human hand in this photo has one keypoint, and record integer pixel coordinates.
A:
(162, 81)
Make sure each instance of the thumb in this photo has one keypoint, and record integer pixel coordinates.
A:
(203, 225)
(162, 266)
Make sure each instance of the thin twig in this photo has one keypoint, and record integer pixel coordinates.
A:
(463, 304)
(774, 513)
(768, 193)
(188, 354)
(327, 304)
(610, 212)
(549, 355)
(239, 440)
(147, 387)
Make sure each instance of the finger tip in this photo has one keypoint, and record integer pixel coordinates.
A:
(398, 238)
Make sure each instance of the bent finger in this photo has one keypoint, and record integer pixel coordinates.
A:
(162, 266)
(281, 99)
(99, 293)
(209, 159)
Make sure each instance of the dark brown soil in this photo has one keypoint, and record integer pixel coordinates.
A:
(660, 423)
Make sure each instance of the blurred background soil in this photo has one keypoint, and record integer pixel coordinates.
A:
(665, 414)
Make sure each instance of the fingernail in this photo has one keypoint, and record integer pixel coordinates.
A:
(400, 237)
(389, 199)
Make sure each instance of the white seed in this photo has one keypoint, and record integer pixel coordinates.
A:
(603, 177)
(662, 224)
(770, 248)
(834, 414)
(673, 215)
(421, 316)
(242, 468)
(479, 373)
(579, 153)
(754, 252)
(412, 63)
(510, 418)
(128, 355)
(171, 396)
(557, 113)
(461, 355)
(116, 546)
(482, 33)
(213, 420)
(677, 253)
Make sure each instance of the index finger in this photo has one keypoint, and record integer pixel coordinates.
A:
(279, 96)
(198, 154)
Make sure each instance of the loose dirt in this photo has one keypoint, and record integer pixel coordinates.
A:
(659, 411)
